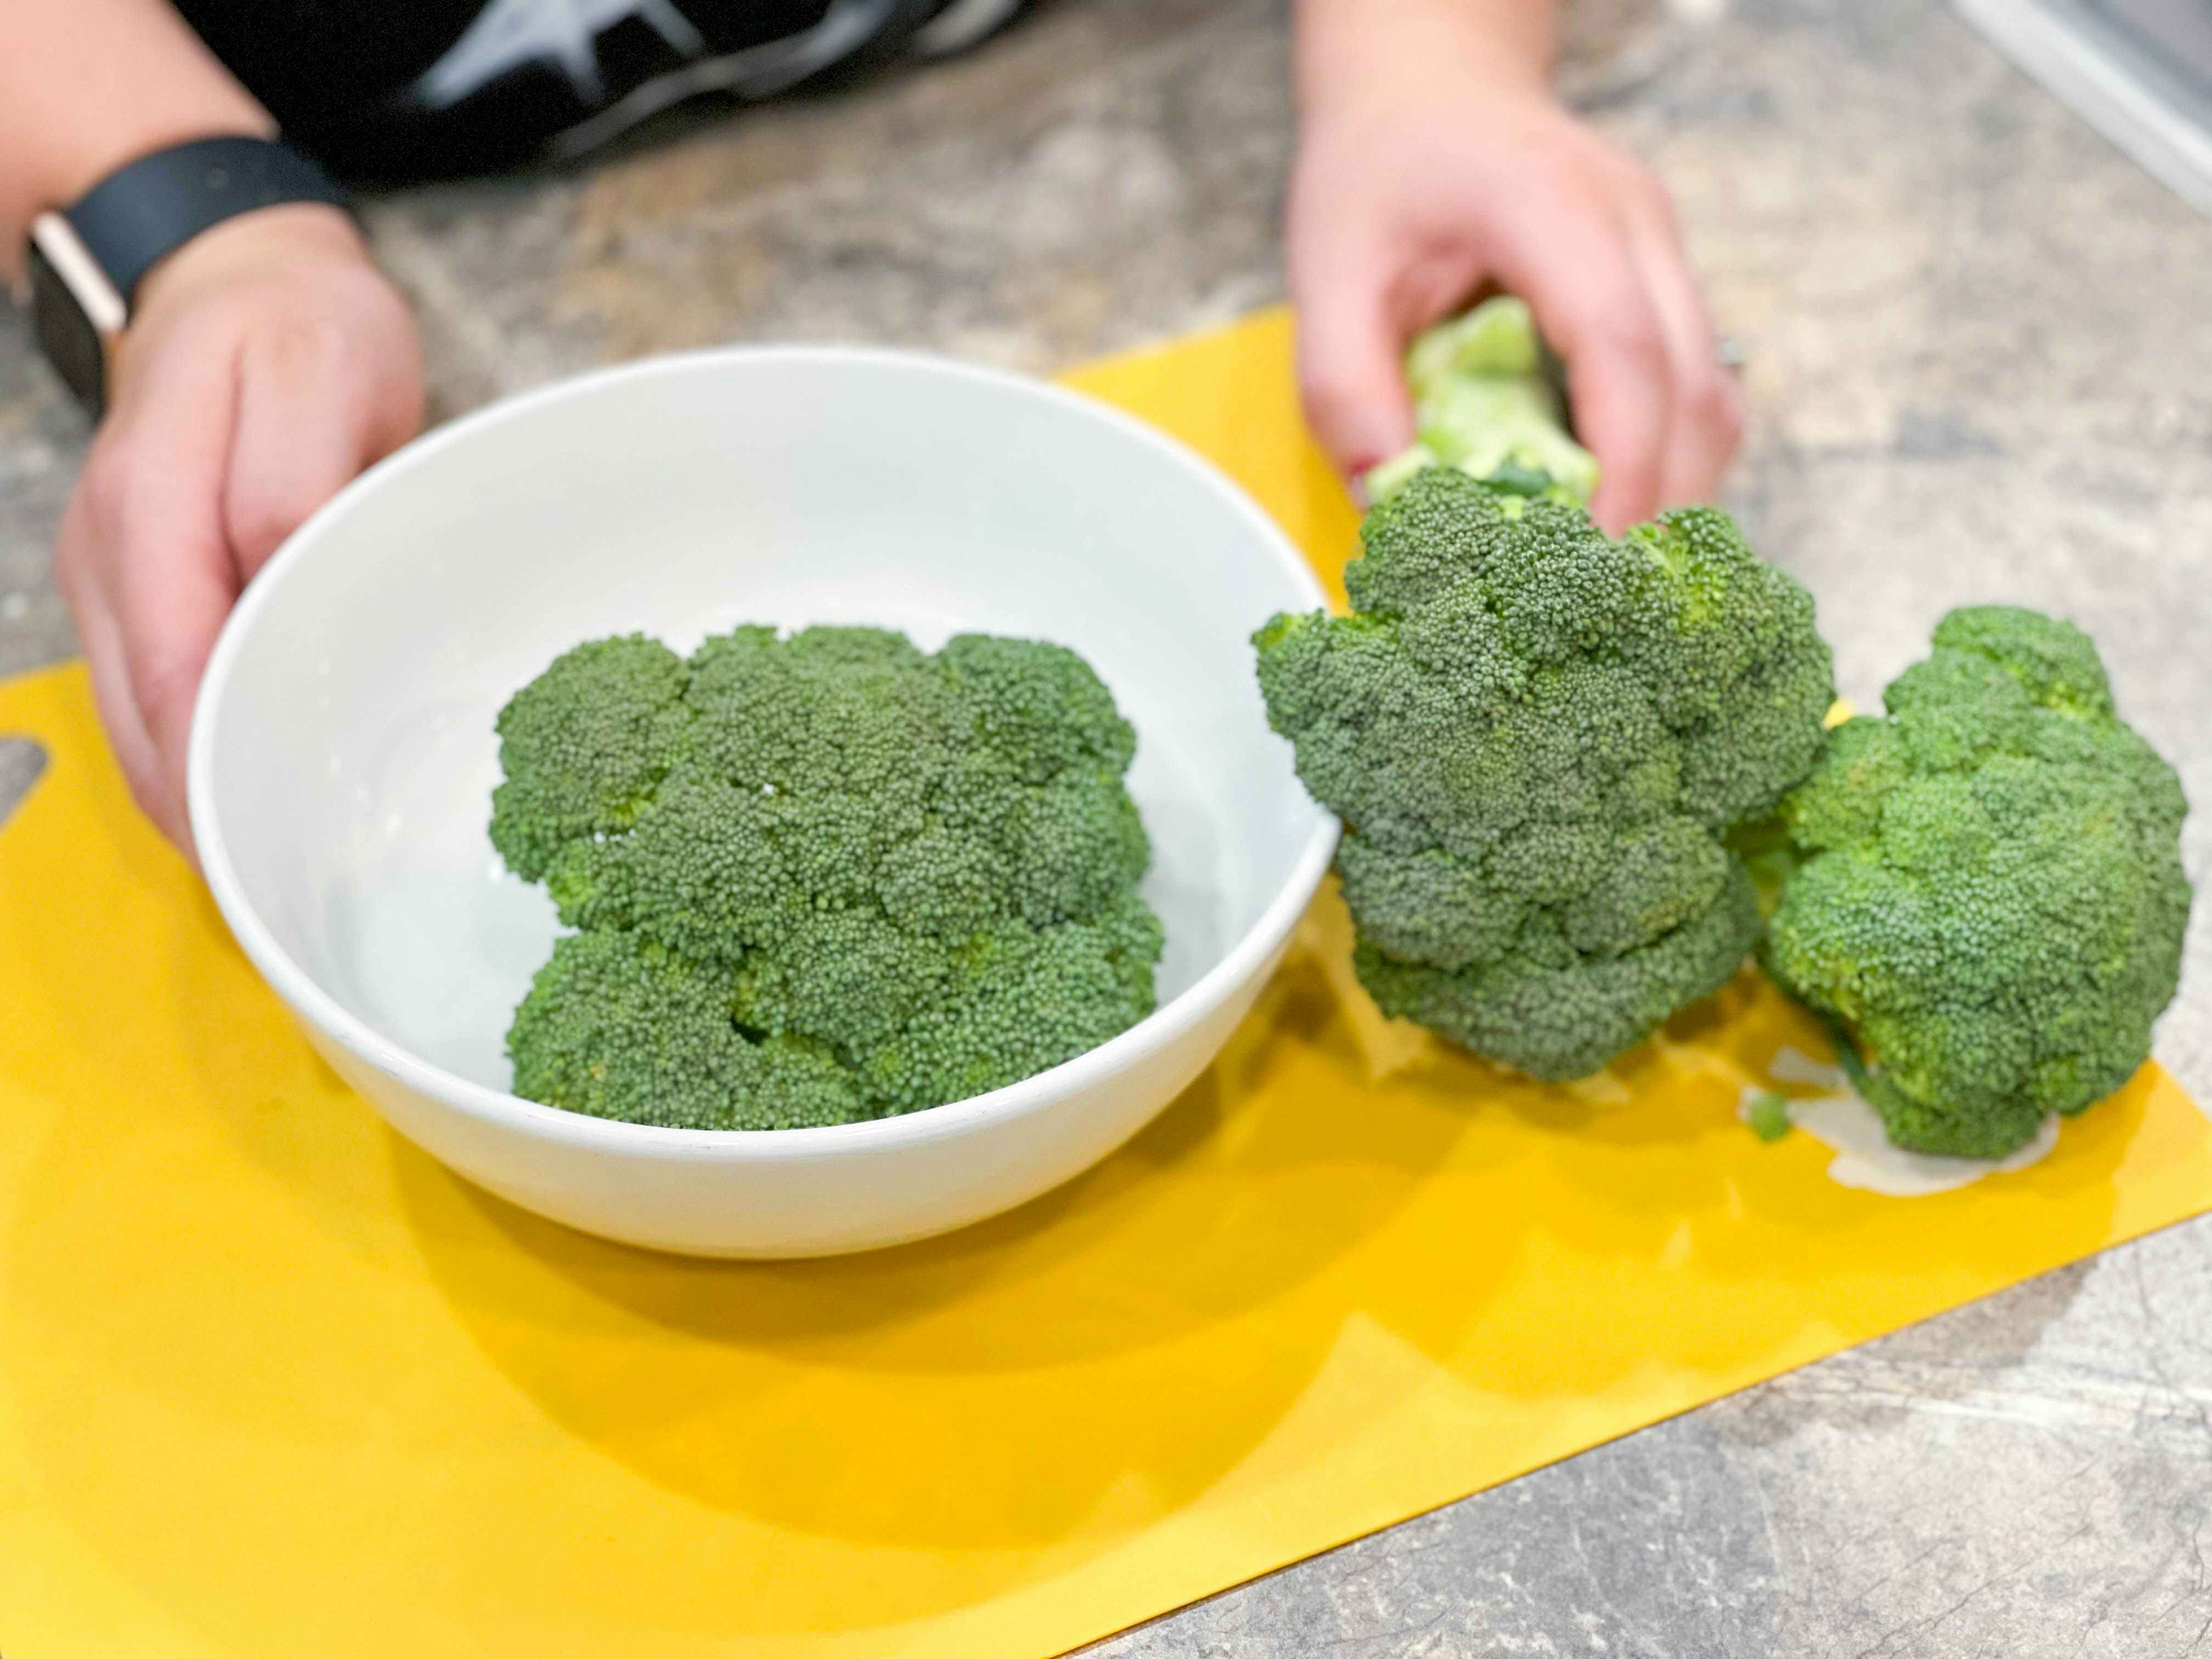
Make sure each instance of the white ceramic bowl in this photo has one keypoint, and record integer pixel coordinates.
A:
(343, 756)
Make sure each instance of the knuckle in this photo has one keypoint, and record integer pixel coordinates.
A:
(161, 685)
(1628, 332)
(303, 344)
(1717, 403)
(104, 489)
(1325, 394)
(400, 398)
(260, 518)
(1613, 321)
(1331, 397)
(126, 515)
(364, 315)
(1638, 477)
(143, 514)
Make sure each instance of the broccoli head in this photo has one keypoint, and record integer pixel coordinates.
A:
(1988, 900)
(1538, 739)
(820, 879)
(1485, 402)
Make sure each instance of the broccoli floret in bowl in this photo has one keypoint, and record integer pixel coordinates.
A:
(1988, 898)
(1538, 739)
(820, 879)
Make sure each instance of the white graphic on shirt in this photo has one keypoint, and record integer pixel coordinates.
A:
(507, 34)
(754, 72)
(961, 24)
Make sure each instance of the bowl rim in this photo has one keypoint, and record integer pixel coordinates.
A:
(1245, 958)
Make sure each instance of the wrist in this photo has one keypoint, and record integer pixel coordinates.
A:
(1351, 52)
(268, 239)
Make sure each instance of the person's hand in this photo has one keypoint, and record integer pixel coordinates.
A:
(269, 361)
(1431, 165)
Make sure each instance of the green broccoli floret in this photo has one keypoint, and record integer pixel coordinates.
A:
(1768, 1114)
(1989, 898)
(1538, 738)
(617, 1026)
(820, 879)
(1486, 403)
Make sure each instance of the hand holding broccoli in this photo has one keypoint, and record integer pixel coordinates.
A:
(1433, 161)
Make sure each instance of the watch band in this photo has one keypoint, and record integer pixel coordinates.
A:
(142, 212)
(84, 263)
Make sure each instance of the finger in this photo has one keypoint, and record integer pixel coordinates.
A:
(102, 636)
(1579, 277)
(310, 417)
(1350, 370)
(1707, 405)
(165, 573)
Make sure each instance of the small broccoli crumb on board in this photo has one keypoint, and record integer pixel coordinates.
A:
(821, 878)
(1841, 1119)
(1767, 1112)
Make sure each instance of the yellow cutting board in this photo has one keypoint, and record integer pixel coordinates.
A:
(273, 1384)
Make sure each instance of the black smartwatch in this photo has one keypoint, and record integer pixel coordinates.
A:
(84, 263)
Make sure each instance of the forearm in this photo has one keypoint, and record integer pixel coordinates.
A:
(1339, 40)
(87, 85)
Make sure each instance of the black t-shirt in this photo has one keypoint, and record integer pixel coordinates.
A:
(400, 87)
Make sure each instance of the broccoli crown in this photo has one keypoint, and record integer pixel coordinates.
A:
(1486, 404)
(1537, 737)
(1988, 898)
(823, 877)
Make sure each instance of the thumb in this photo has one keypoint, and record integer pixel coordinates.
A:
(166, 577)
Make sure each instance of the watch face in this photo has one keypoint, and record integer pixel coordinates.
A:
(66, 335)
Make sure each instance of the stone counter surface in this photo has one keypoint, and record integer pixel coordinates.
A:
(1979, 366)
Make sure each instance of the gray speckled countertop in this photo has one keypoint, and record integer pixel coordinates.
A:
(1980, 350)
